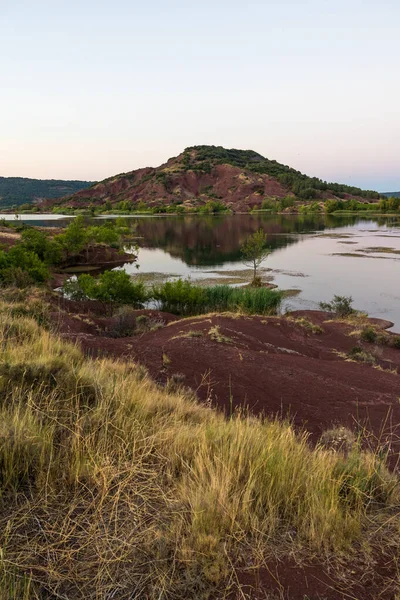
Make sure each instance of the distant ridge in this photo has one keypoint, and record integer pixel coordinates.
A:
(391, 194)
(15, 191)
(237, 179)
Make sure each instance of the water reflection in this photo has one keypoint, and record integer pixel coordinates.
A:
(213, 241)
(313, 254)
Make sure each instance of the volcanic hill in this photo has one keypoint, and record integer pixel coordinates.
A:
(235, 179)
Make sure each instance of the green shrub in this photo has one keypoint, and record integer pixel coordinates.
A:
(183, 297)
(340, 305)
(368, 334)
(110, 286)
(180, 297)
(357, 353)
(255, 301)
(47, 250)
(213, 206)
(331, 206)
(21, 267)
(270, 204)
(395, 342)
(78, 236)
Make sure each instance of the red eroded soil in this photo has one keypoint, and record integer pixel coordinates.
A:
(271, 366)
(267, 365)
(239, 191)
(284, 579)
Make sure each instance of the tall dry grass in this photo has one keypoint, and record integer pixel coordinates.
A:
(112, 488)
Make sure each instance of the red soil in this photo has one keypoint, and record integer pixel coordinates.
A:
(268, 365)
(239, 191)
(287, 580)
(271, 366)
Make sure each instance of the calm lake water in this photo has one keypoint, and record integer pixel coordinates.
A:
(317, 255)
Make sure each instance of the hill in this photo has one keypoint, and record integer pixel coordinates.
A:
(391, 194)
(234, 179)
(15, 191)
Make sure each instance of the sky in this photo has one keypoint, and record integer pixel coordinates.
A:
(92, 88)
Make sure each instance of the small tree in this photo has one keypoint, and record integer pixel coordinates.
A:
(254, 252)
(340, 305)
(74, 239)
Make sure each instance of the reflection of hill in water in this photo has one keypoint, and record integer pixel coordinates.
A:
(209, 241)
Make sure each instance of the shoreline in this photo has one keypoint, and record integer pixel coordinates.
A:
(201, 214)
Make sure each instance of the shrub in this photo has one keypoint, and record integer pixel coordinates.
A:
(21, 267)
(308, 193)
(180, 297)
(395, 342)
(110, 286)
(78, 236)
(368, 334)
(255, 301)
(183, 297)
(340, 305)
(357, 353)
(213, 206)
(331, 206)
(270, 204)
(124, 324)
(387, 339)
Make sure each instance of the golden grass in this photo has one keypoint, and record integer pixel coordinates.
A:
(307, 325)
(110, 487)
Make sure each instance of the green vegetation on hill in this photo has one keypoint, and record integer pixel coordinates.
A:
(17, 191)
(301, 185)
(191, 183)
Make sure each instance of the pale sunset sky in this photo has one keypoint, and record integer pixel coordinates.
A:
(92, 88)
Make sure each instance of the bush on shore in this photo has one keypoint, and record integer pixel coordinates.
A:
(109, 287)
(179, 297)
(183, 297)
(339, 305)
(29, 260)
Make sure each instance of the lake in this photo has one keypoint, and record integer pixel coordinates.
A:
(318, 256)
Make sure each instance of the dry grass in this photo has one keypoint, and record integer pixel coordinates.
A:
(216, 335)
(111, 487)
(307, 325)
